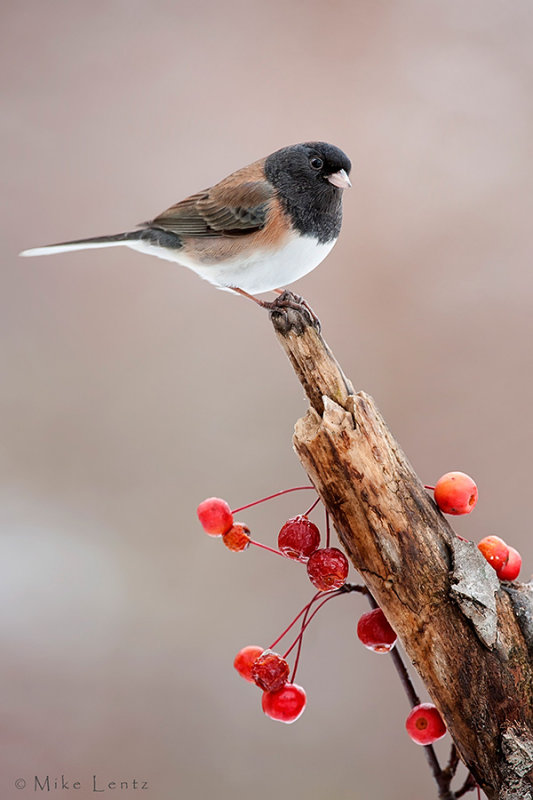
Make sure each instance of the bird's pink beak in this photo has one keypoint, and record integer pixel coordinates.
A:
(340, 179)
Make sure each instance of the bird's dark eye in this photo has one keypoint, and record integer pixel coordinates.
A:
(316, 162)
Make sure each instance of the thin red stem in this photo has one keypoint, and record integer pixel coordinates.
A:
(306, 622)
(295, 620)
(327, 528)
(299, 639)
(266, 547)
(345, 589)
(271, 497)
(431, 488)
(317, 501)
(348, 587)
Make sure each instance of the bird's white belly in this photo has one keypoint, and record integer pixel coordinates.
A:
(254, 272)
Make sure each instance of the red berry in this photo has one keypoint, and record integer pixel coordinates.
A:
(285, 705)
(237, 538)
(215, 516)
(327, 568)
(456, 493)
(244, 660)
(511, 570)
(299, 538)
(375, 632)
(424, 724)
(270, 671)
(495, 551)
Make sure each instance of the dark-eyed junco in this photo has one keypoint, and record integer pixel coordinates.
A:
(260, 228)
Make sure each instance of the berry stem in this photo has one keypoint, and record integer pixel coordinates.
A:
(305, 622)
(345, 589)
(468, 786)
(453, 761)
(271, 497)
(327, 528)
(295, 620)
(299, 638)
(405, 678)
(317, 501)
(431, 488)
(266, 547)
(348, 587)
(442, 780)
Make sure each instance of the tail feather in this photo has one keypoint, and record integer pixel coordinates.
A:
(83, 244)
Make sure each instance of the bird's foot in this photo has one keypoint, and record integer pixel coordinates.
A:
(286, 300)
(294, 301)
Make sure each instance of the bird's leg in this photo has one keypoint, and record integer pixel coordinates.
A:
(262, 303)
(286, 299)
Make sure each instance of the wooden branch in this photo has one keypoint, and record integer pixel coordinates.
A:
(469, 637)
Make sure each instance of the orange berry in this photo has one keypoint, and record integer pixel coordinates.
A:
(237, 538)
(495, 551)
(456, 493)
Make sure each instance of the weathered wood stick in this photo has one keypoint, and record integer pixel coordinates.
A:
(469, 637)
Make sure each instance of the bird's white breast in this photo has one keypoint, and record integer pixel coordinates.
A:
(254, 272)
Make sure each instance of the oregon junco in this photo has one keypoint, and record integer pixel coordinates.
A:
(260, 228)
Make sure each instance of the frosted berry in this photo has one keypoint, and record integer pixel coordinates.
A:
(375, 632)
(495, 551)
(327, 569)
(299, 538)
(215, 516)
(510, 570)
(270, 671)
(456, 493)
(285, 705)
(237, 538)
(245, 658)
(424, 724)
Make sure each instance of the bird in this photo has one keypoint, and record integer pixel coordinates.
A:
(257, 230)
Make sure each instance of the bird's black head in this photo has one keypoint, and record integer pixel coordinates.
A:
(310, 178)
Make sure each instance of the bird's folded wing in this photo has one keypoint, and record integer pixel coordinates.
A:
(225, 209)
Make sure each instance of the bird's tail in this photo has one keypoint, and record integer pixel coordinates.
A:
(83, 244)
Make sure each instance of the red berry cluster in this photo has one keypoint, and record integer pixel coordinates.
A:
(327, 569)
(282, 701)
(298, 539)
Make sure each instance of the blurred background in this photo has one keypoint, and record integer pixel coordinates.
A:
(131, 389)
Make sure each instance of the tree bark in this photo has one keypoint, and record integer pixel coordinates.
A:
(469, 637)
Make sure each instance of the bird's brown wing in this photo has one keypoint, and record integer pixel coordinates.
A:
(238, 204)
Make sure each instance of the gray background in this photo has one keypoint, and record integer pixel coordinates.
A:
(131, 389)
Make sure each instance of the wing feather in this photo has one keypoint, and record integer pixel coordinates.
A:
(230, 207)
